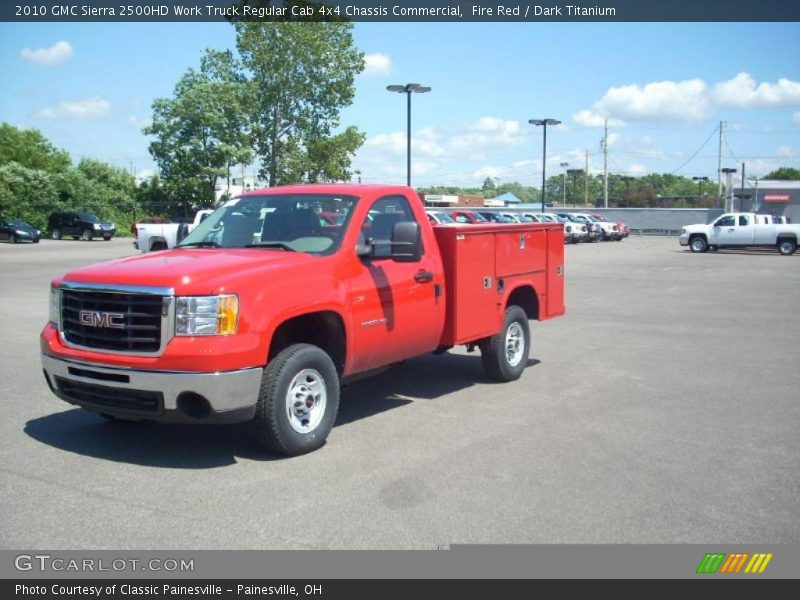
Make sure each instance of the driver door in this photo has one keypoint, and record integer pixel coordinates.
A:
(396, 310)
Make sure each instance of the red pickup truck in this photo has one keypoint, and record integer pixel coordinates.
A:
(261, 311)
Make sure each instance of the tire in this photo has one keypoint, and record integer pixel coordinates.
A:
(12, 239)
(505, 354)
(87, 235)
(698, 244)
(787, 247)
(107, 238)
(284, 421)
(713, 248)
(56, 234)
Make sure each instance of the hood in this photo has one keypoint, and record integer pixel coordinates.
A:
(192, 270)
(696, 228)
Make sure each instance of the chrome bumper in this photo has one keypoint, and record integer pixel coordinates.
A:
(176, 397)
(684, 239)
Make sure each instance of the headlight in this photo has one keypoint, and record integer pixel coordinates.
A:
(55, 305)
(206, 315)
(97, 226)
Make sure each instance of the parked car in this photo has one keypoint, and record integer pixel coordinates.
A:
(605, 229)
(617, 234)
(468, 216)
(161, 236)
(17, 230)
(79, 225)
(583, 231)
(146, 221)
(495, 217)
(439, 217)
(740, 230)
(514, 218)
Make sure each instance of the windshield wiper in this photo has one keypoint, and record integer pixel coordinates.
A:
(201, 244)
(279, 245)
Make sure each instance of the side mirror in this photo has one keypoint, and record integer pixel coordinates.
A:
(406, 242)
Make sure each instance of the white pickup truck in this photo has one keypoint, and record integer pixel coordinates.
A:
(740, 230)
(162, 236)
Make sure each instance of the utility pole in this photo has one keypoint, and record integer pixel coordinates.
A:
(719, 165)
(741, 193)
(605, 166)
(586, 181)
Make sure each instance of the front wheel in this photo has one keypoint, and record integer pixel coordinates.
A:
(13, 239)
(698, 244)
(787, 247)
(505, 354)
(298, 400)
(86, 236)
(56, 234)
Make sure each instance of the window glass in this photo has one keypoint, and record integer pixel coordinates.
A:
(382, 216)
(743, 220)
(729, 221)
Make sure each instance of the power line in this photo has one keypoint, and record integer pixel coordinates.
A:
(688, 160)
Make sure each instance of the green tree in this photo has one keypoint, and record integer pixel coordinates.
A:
(27, 193)
(29, 148)
(784, 174)
(201, 132)
(301, 75)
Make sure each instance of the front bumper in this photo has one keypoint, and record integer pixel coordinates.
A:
(683, 240)
(167, 397)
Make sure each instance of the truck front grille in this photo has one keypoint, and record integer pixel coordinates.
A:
(120, 322)
(120, 399)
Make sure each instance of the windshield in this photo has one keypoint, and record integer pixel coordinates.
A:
(443, 217)
(89, 217)
(480, 218)
(18, 223)
(299, 222)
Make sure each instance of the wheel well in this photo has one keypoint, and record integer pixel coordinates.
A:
(322, 329)
(698, 235)
(525, 298)
(158, 244)
(786, 237)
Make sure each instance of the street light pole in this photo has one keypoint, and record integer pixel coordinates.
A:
(544, 123)
(408, 89)
(729, 188)
(699, 181)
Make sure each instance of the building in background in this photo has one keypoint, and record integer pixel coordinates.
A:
(775, 197)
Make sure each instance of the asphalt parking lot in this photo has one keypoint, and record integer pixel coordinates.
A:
(662, 409)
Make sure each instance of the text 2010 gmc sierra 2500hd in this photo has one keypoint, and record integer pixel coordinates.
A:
(260, 312)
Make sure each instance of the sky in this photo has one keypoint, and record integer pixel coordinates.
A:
(664, 88)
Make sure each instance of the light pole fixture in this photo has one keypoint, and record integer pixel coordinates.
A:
(700, 181)
(573, 173)
(755, 195)
(357, 173)
(564, 166)
(729, 188)
(408, 89)
(544, 123)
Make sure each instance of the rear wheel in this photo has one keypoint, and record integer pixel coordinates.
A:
(505, 354)
(56, 234)
(107, 238)
(298, 400)
(698, 244)
(787, 247)
(86, 236)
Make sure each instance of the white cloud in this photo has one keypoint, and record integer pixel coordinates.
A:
(422, 142)
(649, 140)
(484, 172)
(139, 123)
(787, 151)
(144, 175)
(743, 92)
(796, 118)
(637, 169)
(590, 118)
(613, 138)
(79, 109)
(56, 55)
(659, 101)
(377, 65)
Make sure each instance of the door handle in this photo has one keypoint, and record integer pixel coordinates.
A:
(423, 276)
(731, 230)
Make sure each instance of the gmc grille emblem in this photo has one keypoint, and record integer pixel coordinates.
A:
(93, 318)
